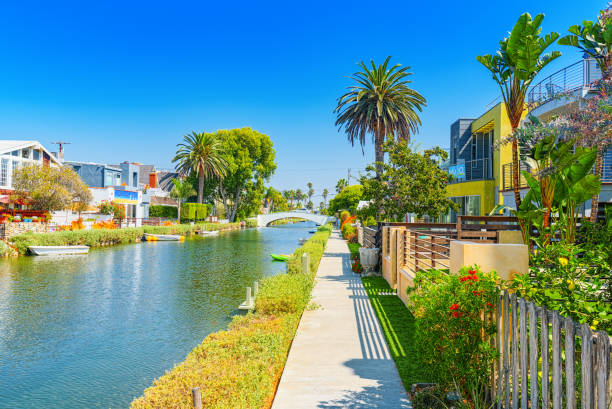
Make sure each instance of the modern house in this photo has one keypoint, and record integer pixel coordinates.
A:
(115, 183)
(15, 154)
(480, 161)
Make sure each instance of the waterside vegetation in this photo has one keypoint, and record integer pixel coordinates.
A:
(240, 368)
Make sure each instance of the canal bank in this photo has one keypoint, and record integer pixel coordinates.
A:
(94, 331)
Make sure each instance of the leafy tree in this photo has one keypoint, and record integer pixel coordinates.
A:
(201, 153)
(593, 38)
(250, 161)
(181, 191)
(342, 183)
(347, 199)
(515, 65)
(381, 104)
(276, 200)
(411, 182)
(310, 205)
(324, 194)
(51, 188)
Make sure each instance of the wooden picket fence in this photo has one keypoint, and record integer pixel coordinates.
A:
(548, 361)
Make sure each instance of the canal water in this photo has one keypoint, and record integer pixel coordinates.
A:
(94, 331)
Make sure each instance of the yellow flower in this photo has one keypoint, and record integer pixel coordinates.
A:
(571, 285)
(563, 261)
(535, 252)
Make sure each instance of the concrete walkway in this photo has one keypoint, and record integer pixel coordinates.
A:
(339, 357)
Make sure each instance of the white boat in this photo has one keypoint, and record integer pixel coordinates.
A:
(57, 250)
(162, 237)
(209, 233)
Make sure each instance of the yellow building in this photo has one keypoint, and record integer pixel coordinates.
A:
(481, 162)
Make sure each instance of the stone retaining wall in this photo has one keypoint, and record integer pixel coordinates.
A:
(11, 229)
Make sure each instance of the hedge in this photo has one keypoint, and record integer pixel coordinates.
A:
(101, 237)
(195, 211)
(168, 212)
(241, 367)
(315, 246)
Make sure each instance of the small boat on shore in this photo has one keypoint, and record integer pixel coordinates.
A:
(57, 250)
(280, 257)
(162, 237)
(209, 233)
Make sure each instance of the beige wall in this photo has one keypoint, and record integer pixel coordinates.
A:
(506, 259)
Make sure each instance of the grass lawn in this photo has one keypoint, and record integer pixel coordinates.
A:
(354, 249)
(397, 324)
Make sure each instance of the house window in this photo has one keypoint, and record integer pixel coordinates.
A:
(109, 178)
(4, 172)
(15, 153)
(25, 153)
(36, 154)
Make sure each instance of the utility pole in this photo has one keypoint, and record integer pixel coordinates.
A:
(60, 153)
(348, 177)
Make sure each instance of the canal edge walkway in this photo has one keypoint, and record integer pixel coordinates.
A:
(339, 357)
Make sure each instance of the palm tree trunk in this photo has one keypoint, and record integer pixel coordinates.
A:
(598, 172)
(200, 187)
(379, 154)
(178, 203)
(515, 173)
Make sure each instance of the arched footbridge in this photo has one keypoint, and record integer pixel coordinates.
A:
(265, 219)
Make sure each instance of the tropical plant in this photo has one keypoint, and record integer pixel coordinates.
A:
(324, 194)
(299, 196)
(411, 182)
(347, 199)
(181, 191)
(201, 153)
(50, 188)
(451, 336)
(341, 184)
(593, 38)
(310, 191)
(515, 65)
(381, 104)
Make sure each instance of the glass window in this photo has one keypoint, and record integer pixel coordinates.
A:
(109, 179)
(135, 179)
(36, 154)
(4, 172)
(25, 153)
(15, 153)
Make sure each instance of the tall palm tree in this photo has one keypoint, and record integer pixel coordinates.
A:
(201, 153)
(325, 193)
(310, 191)
(298, 196)
(515, 65)
(381, 104)
(181, 191)
(342, 183)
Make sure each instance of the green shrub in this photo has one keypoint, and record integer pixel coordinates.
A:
(284, 293)
(450, 335)
(315, 246)
(345, 214)
(5, 249)
(238, 368)
(194, 211)
(168, 212)
(251, 223)
(348, 231)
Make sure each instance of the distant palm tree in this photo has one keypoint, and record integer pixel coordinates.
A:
(299, 196)
(310, 191)
(181, 191)
(342, 183)
(381, 104)
(201, 153)
(325, 193)
(288, 197)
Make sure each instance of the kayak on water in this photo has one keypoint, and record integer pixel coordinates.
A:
(280, 257)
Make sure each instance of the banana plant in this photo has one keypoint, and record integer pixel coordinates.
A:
(593, 38)
(520, 58)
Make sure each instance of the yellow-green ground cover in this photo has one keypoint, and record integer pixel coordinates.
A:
(240, 368)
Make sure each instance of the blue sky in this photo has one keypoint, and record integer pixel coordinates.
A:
(125, 80)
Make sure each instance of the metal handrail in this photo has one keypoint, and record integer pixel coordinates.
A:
(579, 75)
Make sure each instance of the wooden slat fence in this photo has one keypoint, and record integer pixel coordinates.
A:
(422, 250)
(548, 361)
(369, 237)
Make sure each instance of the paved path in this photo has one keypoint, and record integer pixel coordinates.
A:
(339, 357)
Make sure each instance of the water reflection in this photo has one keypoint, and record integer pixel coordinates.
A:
(94, 331)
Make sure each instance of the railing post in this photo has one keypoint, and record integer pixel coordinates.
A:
(305, 263)
(197, 397)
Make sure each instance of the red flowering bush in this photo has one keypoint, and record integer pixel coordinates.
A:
(451, 335)
(357, 267)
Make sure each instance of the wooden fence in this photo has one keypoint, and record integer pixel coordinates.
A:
(546, 360)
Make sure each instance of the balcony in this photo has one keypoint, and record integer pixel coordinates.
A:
(575, 79)
(477, 169)
(507, 176)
